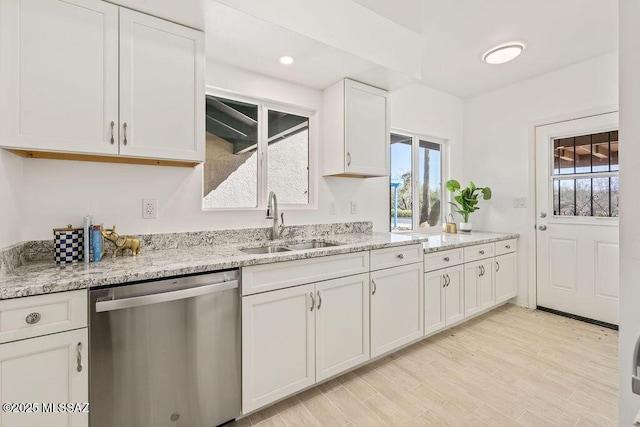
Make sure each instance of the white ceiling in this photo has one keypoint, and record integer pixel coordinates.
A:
(454, 36)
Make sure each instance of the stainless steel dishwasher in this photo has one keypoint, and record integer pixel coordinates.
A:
(166, 353)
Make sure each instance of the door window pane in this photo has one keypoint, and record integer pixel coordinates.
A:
(231, 167)
(401, 203)
(590, 156)
(430, 185)
(288, 157)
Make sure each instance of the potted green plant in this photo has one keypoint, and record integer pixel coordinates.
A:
(466, 200)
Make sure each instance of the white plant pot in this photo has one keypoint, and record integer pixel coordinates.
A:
(465, 227)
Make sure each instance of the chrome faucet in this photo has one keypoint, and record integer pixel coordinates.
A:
(272, 213)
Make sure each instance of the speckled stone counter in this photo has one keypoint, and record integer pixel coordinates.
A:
(202, 253)
(442, 242)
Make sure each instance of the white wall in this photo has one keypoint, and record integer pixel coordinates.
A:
(497, 140)
(11, 194)
(630, 206)
(62, 192)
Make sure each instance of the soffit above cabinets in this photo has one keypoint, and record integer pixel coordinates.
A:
(438, 43)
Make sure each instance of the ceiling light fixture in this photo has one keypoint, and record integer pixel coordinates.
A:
(503, 53)
(286, 60)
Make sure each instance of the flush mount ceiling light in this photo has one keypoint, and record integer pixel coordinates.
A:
(286, 60)
(503, 53)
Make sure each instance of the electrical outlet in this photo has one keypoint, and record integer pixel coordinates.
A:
(149, 208)
(520, 202)
(354, 207)
(333, 209)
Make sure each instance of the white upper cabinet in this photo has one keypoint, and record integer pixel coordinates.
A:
(59, 75)
(161, 88)
(86, 77)
(356, 130)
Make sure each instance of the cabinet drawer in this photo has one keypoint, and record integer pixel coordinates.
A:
(437, 260)
(506, 246)
(473, 253)
(268, 277)
(394, 257)
(33, 316)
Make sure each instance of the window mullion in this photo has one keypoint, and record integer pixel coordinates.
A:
(415, 183)
(263, 159)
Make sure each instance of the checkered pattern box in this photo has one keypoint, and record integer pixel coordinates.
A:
(69, 245)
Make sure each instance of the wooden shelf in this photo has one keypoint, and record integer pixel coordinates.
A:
(101, 158)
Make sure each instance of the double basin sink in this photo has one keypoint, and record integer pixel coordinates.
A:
(272, 249)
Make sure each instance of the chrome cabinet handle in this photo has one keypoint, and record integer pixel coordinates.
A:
(112, 140)
(348, 159)
(481, 252)
(313, 301)
(124, 128)
(375, 287)
(446, 259)
(542, 227)
(400, 256)
(497, 266)
(444, 278)
(481, 268)
(319, 300)
(448, 280)
(79, 356)
(507, 246)
(33, 318)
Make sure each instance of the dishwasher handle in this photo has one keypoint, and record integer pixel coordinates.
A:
(119, 304)
(635, 377)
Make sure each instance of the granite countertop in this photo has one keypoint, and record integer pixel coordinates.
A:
(442, 242)
(41, 277)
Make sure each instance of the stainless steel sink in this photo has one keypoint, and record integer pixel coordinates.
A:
(272, 249)
(265, 250)
(311, 245)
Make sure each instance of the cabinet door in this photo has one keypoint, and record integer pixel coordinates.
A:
(486, 284)
(367, 130)
(506, 277)
(434, 301)
(161, 89)
(45, 370)
(397, 311)
(454, 295)
(342, 324)
(472, 276)
(59, 75)
(278, 345)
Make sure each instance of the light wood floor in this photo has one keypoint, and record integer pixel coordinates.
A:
(511, 366)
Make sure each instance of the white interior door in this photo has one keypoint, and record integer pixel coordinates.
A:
(577, 210)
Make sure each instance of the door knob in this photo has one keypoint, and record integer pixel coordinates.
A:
(542, 227)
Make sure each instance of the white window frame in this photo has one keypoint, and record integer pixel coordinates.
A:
(415, 181)
(264, 105)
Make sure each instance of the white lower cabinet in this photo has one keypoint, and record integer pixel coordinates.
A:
(506, 277)
(342, 324)
(443, 298)
(278, 345)
(293, 337)
(479, 292)
(397, 311)
(48, 369)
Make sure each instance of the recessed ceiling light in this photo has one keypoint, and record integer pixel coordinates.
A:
(503, 53)
(286, 60)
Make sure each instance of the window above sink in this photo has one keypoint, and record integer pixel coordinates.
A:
(254, 147)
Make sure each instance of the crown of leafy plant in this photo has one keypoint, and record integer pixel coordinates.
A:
(467, 198)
